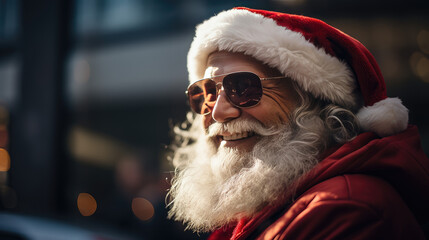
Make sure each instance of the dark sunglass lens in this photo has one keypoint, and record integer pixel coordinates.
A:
(243, 89)
(202, 96)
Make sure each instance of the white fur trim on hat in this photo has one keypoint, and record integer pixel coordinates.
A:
(385, 117)
(236, 30)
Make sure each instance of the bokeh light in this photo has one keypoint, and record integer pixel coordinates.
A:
(420, 66)
(423, 40)
(423, 69)
(142, 208)
(86, 204)
(4, 160)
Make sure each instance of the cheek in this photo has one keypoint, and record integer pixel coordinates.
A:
(273, 110)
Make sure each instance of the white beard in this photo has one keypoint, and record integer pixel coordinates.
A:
(216, 188)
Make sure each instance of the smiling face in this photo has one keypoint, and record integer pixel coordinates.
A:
(278, 101)
(244, 158)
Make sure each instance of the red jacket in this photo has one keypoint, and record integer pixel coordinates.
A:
(369, 188)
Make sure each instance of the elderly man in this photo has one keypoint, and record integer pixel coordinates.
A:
(293, 136)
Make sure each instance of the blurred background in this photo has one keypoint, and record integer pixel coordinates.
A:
(90, 88)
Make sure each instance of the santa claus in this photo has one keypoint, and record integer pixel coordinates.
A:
(292, 136)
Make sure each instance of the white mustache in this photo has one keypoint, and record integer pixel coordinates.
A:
(241, 125)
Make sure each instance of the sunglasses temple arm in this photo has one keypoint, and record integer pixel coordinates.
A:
(272, 78)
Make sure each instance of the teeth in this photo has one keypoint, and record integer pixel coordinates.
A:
(237, 136)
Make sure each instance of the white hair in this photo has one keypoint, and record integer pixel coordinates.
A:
(212, 188)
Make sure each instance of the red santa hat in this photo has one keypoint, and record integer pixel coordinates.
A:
(323, 61)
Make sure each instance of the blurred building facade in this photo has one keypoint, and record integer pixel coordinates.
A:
(91, 87)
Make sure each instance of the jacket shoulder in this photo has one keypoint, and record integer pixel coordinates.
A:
(352, 206)
(369, 191)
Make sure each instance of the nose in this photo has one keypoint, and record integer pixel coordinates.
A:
(223, 110)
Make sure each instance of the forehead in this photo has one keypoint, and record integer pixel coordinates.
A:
(226, 62)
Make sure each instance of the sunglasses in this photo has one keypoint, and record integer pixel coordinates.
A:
(243, 90)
